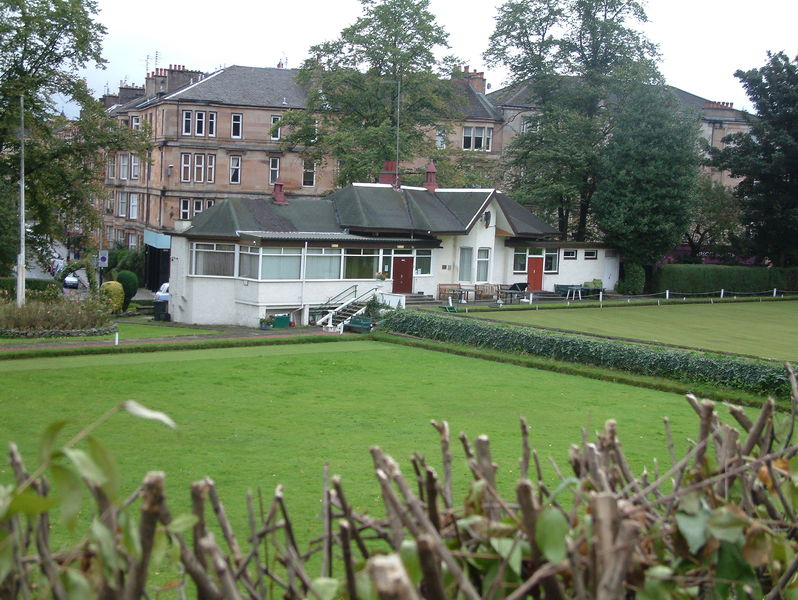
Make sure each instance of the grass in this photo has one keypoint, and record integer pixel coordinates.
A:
(126, 331)
(751, 328)
(255, 417)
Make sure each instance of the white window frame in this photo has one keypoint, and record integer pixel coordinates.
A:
(185, 208)
(133, 205)
(570, 254)
(483, 263)
(124, 165)
(226, 249)
(311, 171)
(199, 122)
(132, 240)
(199, 168)
(465, 270)
(187, 120)
(111, 166)
(275, 135)
(197, 206)
(551, 259)
(135, 122)
(212, 123)
(235, 170)
(591, 254)
(210, 168)
(185, 167)
(237, 122)
(472, 133)
(440, 139)
(329, 255)
(135, 168)
(274, 169)
(121, 205)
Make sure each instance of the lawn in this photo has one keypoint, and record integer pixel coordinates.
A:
(258, 416)
(127, 331)
(763, 329)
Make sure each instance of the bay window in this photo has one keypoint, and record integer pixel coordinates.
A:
(323, 263)
(360, 263)
(280, 263)
(213, 259)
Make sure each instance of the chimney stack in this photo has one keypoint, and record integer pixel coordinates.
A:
(278, 194)
(430, 180)
(389, 174)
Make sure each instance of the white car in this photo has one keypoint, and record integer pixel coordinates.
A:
(71, 281)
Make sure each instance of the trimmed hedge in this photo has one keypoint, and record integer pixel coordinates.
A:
(748, 375)
(698, 279)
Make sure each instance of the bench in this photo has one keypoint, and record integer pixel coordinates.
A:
(360, 324)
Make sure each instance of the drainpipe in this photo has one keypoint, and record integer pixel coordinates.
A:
(305, 315)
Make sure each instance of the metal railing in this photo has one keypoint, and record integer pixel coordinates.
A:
(327, 320)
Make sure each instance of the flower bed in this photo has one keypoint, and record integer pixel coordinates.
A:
(46, 333)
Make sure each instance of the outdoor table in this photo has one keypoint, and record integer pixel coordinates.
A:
(573, 292)
(464, 292)
(510, 295)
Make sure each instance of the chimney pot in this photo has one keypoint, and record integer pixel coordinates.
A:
(278, 194)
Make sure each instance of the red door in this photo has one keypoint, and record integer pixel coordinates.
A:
(534, 273)
(402, 275)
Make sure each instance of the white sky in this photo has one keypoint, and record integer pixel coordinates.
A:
(702, 42)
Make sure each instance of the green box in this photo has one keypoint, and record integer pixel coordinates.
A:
(281, 321)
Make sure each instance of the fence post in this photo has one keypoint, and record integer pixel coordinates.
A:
(601, 296)
(667, 294)
(721, 292)
(774, 292)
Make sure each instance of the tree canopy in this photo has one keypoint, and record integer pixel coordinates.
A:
(380, 66)
(644, 197)
(43, 43)
(766, 158)
(575, 56)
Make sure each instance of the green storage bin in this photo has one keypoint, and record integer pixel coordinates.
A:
(281, 321)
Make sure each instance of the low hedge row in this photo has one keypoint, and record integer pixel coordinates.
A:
(698, 279)
(748, 375)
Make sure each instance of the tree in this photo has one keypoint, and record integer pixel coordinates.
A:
(716, 217)
(355, 83)
(43, 43)
(575, 55)
(766, 158)
(643, 201)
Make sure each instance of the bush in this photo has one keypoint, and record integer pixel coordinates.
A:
(634, 278)
(747, 375)
(699, 279)
(45, 290)
(130, 283)
(55, 318)
(115, 293)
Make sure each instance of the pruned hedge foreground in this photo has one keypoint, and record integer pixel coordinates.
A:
(718, 521)
(749, 375)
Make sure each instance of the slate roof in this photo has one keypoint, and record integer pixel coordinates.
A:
(363, 210)
(473, 105)
(246, 86)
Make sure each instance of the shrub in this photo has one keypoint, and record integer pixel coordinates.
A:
(115, 293)
(46, 290)
(633, 279)
(53, 318)
(130, 283)
(682, 365)
(699, 279)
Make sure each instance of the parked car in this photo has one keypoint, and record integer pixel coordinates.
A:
(71, 281)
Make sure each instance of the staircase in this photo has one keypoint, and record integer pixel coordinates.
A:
(346, 312)
(420, 300)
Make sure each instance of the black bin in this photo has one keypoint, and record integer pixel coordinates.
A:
(160, 310)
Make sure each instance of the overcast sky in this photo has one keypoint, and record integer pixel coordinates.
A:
(702, 42)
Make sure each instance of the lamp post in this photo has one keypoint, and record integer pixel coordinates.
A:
(21, 255)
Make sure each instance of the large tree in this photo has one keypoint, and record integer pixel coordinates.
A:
(649, 171)
(766, 158)
(716, 218)
(43, 44)
(575, 56)
(380, 67)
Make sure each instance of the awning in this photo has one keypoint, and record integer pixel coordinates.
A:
(157, 240)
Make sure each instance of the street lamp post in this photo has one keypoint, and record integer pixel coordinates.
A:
(21, 255)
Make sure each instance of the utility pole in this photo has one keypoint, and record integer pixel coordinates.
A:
(21, 255)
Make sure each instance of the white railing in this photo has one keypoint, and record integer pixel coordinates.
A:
(327, 320)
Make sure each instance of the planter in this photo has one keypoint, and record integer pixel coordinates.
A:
(265, 326)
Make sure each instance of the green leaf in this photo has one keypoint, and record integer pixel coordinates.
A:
(409, 555)
(6, 553)
(657, 585)
(324, 588)
(727, 525)
(105, 461)
(159, 546)
(29, 503)
(86, 466)
(137, 410)
(76, 585)
(733, 567)
(510, 551)
(107, 544)
(568, 482)
(48, 440)
(550, 531)
(694, 529)
(130, 534)
(364, 586)
(182, 523)
(70, 492)
(690, 503)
